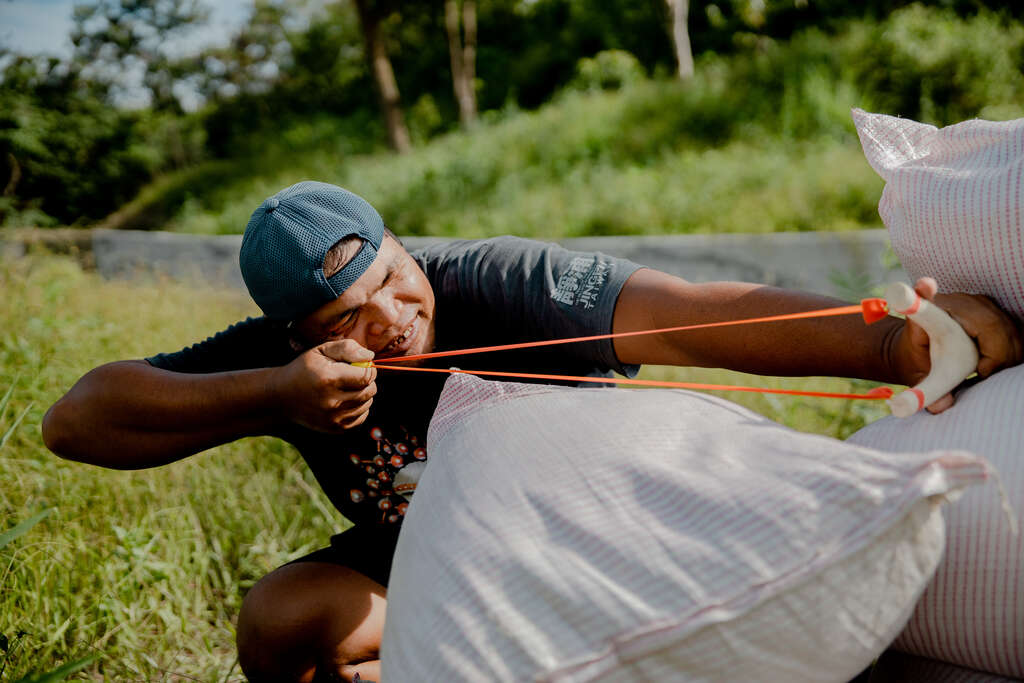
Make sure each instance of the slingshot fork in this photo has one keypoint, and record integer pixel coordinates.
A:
(954, 356)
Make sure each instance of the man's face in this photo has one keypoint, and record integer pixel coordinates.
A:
(389, 309)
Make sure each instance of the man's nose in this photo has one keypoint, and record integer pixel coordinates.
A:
(385, 313)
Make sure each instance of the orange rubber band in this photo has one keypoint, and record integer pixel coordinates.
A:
(824, 312)
(876, 394)
(920, 396)
(871, 310)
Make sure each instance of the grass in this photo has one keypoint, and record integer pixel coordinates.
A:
(147, 569)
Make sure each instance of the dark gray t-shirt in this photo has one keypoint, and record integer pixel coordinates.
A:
(488, 292)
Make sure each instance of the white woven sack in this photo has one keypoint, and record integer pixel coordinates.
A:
(953, 201)
(972, 612)
(598, 534)
(954, 206)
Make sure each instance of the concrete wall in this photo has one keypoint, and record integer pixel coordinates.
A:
(828, 263)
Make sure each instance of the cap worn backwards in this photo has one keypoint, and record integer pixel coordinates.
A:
(289, 235)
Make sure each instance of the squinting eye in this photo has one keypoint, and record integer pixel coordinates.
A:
(343, 326)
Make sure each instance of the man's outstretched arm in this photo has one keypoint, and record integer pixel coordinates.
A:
(131, 415)
(890, 350)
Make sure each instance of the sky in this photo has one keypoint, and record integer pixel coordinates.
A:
(44, 26)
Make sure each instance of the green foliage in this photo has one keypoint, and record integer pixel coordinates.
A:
(424, 119)
(216, 196)
(607, 70)
(65, 157)
(929, 65)
(292, 101)
(732, 151)
(10, 644)
(21, 528)
(272, 78)
(112, 37)
(60, 673)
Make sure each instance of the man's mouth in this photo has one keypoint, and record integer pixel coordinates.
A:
(401, 343)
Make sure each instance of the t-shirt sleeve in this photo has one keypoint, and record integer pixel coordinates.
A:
(251, 343)
(510, 289)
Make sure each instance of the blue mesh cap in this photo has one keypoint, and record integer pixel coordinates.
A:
(287, 238)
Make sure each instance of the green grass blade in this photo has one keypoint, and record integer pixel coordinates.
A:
(10, 431)
(7, 398)
(60, 673)
(20, 529)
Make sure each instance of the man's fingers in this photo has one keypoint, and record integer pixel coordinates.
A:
(940, 405)
(344, 417)
(998, 342)
(997, 337)
(926, 287)
(988, 365)
(336, 400)
(345, 351)
(348, 400)
(1016, 344)
(355, 421)
(366, 394)
(345, 377)
(350, 418)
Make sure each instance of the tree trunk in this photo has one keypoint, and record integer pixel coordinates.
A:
(12, 184)
(384, 78)
(679, 10)
(463, 56)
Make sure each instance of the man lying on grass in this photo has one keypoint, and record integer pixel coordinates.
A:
(336, 289)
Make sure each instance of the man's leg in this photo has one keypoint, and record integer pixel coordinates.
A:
(312, 621)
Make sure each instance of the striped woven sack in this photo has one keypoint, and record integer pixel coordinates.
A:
(953, 201)
(953, 204)
(972, 613)
(562, 534)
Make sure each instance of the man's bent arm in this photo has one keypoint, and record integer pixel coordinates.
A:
(130, 415)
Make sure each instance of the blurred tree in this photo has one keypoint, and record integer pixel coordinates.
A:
(679, 10)
(114, 39)
(553, 35)
(256, 56)
(372, 14)
(65, 155)
(463, 55)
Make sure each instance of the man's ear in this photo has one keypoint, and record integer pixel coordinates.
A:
(294, 341)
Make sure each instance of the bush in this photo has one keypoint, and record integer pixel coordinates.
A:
(607, 70)
(927, 64)
(759, 140)
(67, 158)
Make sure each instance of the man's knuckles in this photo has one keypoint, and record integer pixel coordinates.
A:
(345, 350)
(354, 421)
(351, 415)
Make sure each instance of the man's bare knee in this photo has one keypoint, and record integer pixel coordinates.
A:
(306, 617)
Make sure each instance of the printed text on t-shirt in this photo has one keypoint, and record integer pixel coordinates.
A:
(581, 284)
